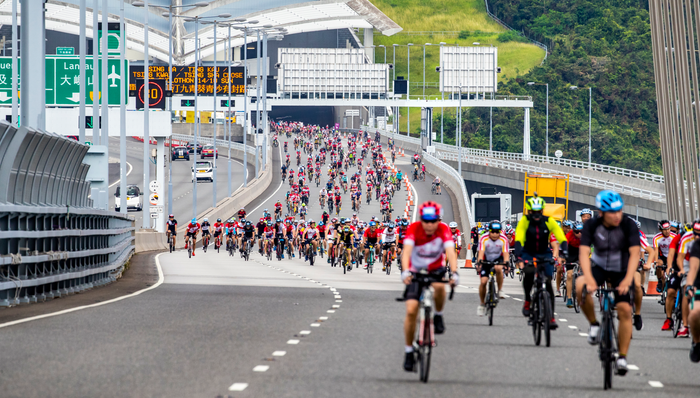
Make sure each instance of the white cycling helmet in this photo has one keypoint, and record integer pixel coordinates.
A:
(453, 224)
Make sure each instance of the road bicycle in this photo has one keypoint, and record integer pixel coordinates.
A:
(541, 312)
(280, 248)
(491, 299)
(677, 314)
(370, 259)
(425, 336)
(388, 259)
(310, 253)
(608, 344)
(205, 243)
(171, 242)
(576, 272)
(345, 260)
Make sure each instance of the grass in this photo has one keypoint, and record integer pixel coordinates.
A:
(467, 16)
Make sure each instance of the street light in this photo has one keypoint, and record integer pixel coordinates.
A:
(408, 95)
(547, 126)
(442, 108)
(426, 44)
(169, 14)
(590, 101)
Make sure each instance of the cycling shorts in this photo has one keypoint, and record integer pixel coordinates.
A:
(387, 245)
(372, 241)
(191, 234)
(413, 290)
(486, 268)
(614, 278)
(205, 233)
(217, 234)
(676, 282)
(172, 232)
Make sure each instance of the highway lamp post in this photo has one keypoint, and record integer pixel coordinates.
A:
(426, 44)
(408, 95)
(546, 151)
(442, 108)
(590, 102)
(393, 88)
(384, 47)
(170, 82)
(459, 134)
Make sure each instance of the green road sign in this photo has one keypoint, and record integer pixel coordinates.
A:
(65, 50)
(188, 103)
(113, 38)
(63, 80)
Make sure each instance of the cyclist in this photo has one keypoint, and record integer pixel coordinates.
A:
(311, 235)
(343, 240)
(436, 183)
(278, 209)
(615, 239)
(690, 290)
(171, 228)
(426, 244)
(683, 264)
(247, 235)
(532, 241)
(662, 243)
(573, 239)
(493, 247)
(260, 229)
(370, 238)
(218, 229)
(586, 214)
(388, 244)
(205, 229)
(456, 236)
(192, 230)
(639, 277)
(230, 230)
(241, 213)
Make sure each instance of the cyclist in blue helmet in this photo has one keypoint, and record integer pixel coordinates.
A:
(614, 260)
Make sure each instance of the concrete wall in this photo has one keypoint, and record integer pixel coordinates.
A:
(207, 130)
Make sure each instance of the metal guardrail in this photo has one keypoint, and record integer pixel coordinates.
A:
(555, 161)
(209, 140)
(505, 25)
(428, 158)
(526, 168)
(52, 242)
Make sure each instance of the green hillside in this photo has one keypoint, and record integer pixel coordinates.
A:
(454, 22)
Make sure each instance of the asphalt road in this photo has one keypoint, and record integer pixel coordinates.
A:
(220, 326)
(182, 181)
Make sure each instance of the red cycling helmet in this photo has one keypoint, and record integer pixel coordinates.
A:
(430, 211)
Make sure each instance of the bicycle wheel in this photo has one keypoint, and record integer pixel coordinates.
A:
(677, 319)
(546, 316)
(520, 276)
(606, 353)
(310, 250)
(388, 268)
(492, 300)
(189, 251)
(343, 262)
(535, 319)
(170, 243)
(425, 348)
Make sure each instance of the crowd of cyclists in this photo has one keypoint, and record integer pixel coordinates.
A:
(604, 248)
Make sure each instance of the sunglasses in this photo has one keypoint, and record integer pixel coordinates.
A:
(577, 232)
(429, 221)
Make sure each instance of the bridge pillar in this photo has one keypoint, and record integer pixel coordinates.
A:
(32, 29)
(526, 135)
(368, 42)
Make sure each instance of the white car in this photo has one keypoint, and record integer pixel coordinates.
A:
(204, 171)
(133, 198)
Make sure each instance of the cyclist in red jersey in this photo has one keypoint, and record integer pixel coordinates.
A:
(426, 244)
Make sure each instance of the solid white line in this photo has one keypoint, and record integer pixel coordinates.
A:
(415, 202)
(114, 300)
(656, 384)
(127, 174)
(238, 386)
(279, 353)
(261, 368)
(277, 190)
(292, 341)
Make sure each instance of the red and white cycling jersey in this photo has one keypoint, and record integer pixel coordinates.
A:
(428, 251)
(218, 226)
(269, 232)
(457, 237)
(662, 243)
(192, 228)
(310, 233)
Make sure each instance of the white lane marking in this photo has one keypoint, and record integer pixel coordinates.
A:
(305, 332)
(323, 318)
(292, 341)
(656, 384)
(573, 327)
(127, 174)
(315, 325)
(331, 311)
(583, 334)
(261, 368)
(279, 353)
(415, 202)
(506, 296)
(274, 193)
(338, 301)
(517, 299)
(238, 386)
(338, 297)
(336, 306)
(562, 320)
(632, 367)
(114, 300)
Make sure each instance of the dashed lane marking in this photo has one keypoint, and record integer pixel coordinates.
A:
(323, 318)
(632, 367)
(292, 341)
(583, 334)
(517, 299)
(331, 311)
(305, 332)
(261, 368)
(573, 327)
(562, 320)
(238, 386)
(279, 353)
(315, 325)
(656, 384)
(338, 301)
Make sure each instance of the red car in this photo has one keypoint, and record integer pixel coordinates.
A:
(209, 151)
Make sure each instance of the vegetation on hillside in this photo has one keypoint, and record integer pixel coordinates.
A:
(454, 22)
(603, 44)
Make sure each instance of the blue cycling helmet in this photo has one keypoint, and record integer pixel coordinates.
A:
(609, 201)
(587, 211)
(372, 223)
(675, 224)
(194, 221)
(578, 226)
(568, 223)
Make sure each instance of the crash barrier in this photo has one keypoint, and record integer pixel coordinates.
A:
(151, 240)
(52, 242)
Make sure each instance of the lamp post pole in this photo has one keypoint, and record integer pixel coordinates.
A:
(408, 96)
(590, 101)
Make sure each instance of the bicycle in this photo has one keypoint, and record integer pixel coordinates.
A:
(370, 259)
(280, 248)
(433, 190)
(607, 347)
(345, 260)
(425, 336)
(541, 313)
(310, 253)
(576, 272)
(491, 300)
(388, 259)
(205, 242)
(677, 314)
(171, 242)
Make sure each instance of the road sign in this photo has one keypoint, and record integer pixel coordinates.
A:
(63, 80)
(89, 122)
(113, 38)
(558, 153)
(187, 103)
(155, 209)
(183, 79)
(65, 50)
(88, 143)
(154, 186)
(155, 215)
(224, 103)
(154, 199)
(155, 94)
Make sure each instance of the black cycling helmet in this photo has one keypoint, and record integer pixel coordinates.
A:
(664, 224)
(278, 220)
(218, 220)
(495, 226)
(248, 223)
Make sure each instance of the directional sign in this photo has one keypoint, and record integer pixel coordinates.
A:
(154, 186)
(188, 103)
(113, 38)
(63, 80)
(65, 50)
(224, 103)
(89, 122)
